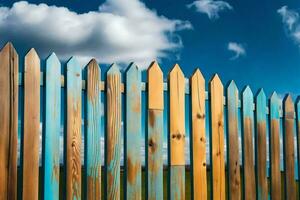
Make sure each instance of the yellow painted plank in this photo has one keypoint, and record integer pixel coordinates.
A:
(156, 88)
(198, 138)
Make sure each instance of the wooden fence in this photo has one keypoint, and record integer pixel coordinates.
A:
(260, 121)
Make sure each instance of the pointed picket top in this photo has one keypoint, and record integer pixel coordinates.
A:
(247, 92)
(232, 86)
(113, 69)
(274, 97)
(215, 81)
(176, 71)
(155, 87)
(93, 65)
(32, 54)
(72, 62)
(8, 47)
(274, 106)
(261, 94)
(132, 68)
(288, 106)
(52, 59)
(261, 102)
(197, 76)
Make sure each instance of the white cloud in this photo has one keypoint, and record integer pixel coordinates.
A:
(118, 32)
(290, 19)
(210, 7)
(238, 49)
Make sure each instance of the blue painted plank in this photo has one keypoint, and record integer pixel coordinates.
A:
(133, 133)
(177, 182)
(93, 133)
(73, 130)
(261, 146)
(155, 132)
(234, 179)
(275, 148)
(248, 147)
(113, 139)
(52, 128)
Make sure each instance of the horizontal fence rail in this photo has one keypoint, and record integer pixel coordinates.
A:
(117, 133)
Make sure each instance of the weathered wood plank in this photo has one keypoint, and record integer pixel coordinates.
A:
(275, 148)
(298, 135)
(288, 143)
(133, 133)
(234, 179)
(73, 130)
(52, 128)
(8, 121)
(248, 147)
(155, 133)
(31, 126)
(177, 132)
(217, 138)
(113, 132)
(198, 139)
(93, 133)
(261, 146)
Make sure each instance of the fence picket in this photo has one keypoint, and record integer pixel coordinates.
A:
(247, 139)
(261, 146)
(217, 138)
(298, 137)
(52, 128)
(113, 132)
(155, 133)
(288, 143)
(133, 133)
(275, 148)
(234, 179)
(8, 121)
(31, 138)
(177, 133)
(198, 138)
(73, 130)
(93, 132)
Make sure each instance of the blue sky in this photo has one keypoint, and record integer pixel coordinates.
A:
(193, 36)
(254, 42)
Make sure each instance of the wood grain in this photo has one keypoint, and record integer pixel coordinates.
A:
(8, 121)
(234, 180)
(52, 128)
(198, 139)
(217, 138)
(177, 132)
(73, 130)
(248, 147)
(155, 133)
(31, 126)
(133, 133)
(93, 134)
(288, 143)
(261, 146)
(275, 148)
(113, 132)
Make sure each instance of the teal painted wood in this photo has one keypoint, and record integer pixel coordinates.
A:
(93, 133)
(52, 128)
(155, 156)
(261, 146)
(275, 182)
(74, 79)
(113, 138)
(177, 174)
(298, 137)
(234, 179)
(247, 144)
(133, 133)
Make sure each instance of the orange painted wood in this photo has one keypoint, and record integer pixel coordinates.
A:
(288, 143)
(31, 126)
(234, 177)
(155, 133)
(113, 132)
(73, 183)
(275, 148)
(217, 138)
(8, 121)
(198, 139)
